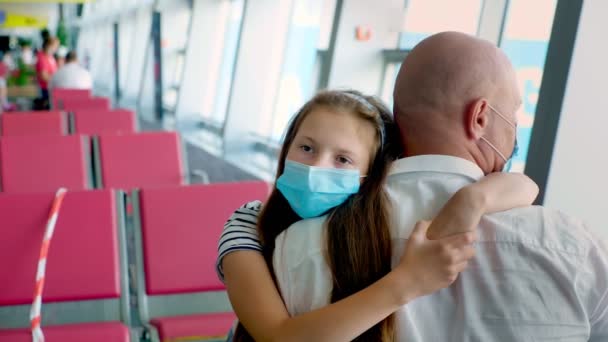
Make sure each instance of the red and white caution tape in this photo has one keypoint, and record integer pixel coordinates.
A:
(35, 317)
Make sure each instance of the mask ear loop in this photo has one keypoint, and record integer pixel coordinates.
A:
(495, 149)
(515, 147)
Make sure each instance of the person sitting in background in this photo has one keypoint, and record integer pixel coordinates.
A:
(72, 75)
(46, 66)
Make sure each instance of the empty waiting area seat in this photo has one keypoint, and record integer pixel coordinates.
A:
(75, 104)
(33, 123)
(127, 161)
(96, 121)
(44, 163)
(60, 94)
(181, 226)
(84, 283)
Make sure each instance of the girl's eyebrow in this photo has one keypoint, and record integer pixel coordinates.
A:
(308, 138)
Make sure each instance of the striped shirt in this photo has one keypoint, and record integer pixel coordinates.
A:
(240, 233)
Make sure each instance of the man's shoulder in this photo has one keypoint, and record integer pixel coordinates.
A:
(539, 227)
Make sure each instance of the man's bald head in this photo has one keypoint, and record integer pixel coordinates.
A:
(442, 77)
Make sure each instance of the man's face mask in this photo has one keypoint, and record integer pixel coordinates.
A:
(508, 161)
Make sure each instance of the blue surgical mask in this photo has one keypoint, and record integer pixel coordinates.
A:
(508, 161)
(312, 191)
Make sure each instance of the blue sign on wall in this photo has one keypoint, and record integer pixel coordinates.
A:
(2, 17)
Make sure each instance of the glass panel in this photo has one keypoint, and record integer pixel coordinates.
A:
(102, 58)
(125, 31)
(174, 34)
(146, 87)
(220, 70)
(85, 47)
(426, 17)
(525, 41)
(138, 48)
(390, 75)
(296, 84)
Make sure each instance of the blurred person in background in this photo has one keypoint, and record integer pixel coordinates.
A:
(72, 74)
(46, 66)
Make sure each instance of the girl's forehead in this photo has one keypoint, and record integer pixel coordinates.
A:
(335, 127)
(325, 118)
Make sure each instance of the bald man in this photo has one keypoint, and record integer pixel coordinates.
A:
(538, 275)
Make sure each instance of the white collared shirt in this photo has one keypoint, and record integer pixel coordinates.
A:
(538, 275)
(72, 76)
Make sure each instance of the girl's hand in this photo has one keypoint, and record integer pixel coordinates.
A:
(430, 265)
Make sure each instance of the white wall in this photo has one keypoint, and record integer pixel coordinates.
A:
(359, 64)
(578, 179)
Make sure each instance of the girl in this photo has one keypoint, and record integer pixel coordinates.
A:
(334, 161)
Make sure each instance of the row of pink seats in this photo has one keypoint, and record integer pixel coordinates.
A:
(176, 230)
(45, 163)
(82, 121)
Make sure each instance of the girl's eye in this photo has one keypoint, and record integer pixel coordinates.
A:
(306, 148)
(344, 160)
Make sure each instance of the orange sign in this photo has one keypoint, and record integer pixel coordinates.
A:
(363, 33)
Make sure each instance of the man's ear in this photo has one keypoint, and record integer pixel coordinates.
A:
(476, 119)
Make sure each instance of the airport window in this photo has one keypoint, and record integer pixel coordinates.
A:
(422, 19)
(126, 27)
(309, 34)
(390, 74)
(219, 72)
(102, 57)
(174, 27)
(525, 40)
(137, 54)
(426, 17)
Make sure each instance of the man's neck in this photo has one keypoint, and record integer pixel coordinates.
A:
(443, 147)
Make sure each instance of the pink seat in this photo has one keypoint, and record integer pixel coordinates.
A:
(181, 226)
(90, 332)
(204, 326)
(94, 122)
(83, 261)
(43, 163)
(59, 94)
(196, 215)
(75, 104)
(136, 160)
(36, 123)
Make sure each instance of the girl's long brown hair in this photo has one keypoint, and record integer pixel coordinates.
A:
(359, 247)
